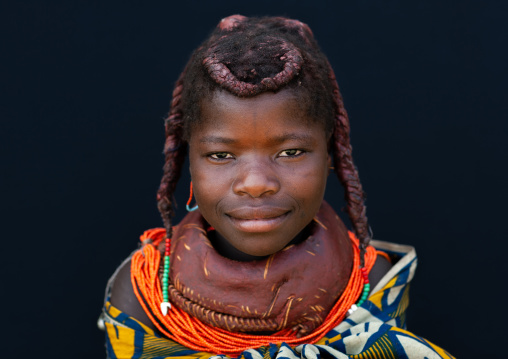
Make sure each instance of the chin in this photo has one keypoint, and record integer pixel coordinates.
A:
(258, 253)
(264, 250)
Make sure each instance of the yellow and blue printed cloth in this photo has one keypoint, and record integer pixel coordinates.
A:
(375, 330)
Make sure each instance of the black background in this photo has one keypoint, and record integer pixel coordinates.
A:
(87, 85)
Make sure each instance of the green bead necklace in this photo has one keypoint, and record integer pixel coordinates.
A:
(166, 305)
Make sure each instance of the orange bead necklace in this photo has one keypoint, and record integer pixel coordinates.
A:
(186, 330)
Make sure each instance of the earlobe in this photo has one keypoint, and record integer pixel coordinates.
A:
(329, 164)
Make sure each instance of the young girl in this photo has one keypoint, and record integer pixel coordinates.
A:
(261, 266)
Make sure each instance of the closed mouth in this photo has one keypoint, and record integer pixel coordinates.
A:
(257, 219)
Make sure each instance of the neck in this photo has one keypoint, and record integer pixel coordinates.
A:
(225, 249)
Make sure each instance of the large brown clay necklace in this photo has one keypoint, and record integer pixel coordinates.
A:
(305, 288)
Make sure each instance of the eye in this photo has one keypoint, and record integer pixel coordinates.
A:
(221, 156)
(290, 153)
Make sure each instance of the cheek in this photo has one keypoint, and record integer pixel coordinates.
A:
(312, 188)
(313, 179)
(308, 189)
(208, 189)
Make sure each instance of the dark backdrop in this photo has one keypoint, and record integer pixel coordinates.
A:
(87, 84)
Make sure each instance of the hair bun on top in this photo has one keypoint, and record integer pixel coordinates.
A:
(218, 70)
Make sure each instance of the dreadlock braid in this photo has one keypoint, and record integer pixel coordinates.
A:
(248, 56)
(347, 172)
(174, 150)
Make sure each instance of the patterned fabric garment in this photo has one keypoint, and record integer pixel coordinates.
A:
(375, 330)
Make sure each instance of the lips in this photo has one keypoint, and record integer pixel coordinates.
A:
(257, 219)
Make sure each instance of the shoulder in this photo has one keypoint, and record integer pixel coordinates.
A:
(378, 271)
(123, 296)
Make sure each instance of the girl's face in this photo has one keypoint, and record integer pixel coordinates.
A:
(259, 167)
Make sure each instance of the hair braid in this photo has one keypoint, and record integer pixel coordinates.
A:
(347, 172)
(175, 148)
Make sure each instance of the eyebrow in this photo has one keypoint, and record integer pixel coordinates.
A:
(303, 137)
(276, 140)
(217, 139)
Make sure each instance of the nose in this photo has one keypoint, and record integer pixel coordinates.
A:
(256, 180)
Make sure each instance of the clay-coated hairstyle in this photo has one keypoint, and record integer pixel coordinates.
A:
(248, 56)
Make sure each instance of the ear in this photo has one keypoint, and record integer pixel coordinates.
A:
(329, 163)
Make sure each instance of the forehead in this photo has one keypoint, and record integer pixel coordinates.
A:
(267, 111)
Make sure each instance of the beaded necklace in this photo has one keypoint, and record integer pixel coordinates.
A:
(194, 334)
(165, 304)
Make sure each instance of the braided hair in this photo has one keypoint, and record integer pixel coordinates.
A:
(248, 56)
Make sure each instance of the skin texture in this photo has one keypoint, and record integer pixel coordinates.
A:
(259, 167)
